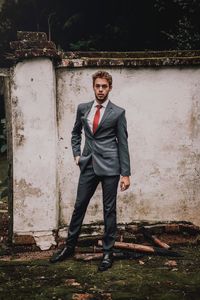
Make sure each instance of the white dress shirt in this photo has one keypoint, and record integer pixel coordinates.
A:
(92, 112)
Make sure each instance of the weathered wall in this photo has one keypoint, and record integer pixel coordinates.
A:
(34, 150)
(162, 102)
(163, 113)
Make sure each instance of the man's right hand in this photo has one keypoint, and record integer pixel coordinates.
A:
(77, 158)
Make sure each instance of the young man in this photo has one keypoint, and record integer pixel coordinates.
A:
(104, 158)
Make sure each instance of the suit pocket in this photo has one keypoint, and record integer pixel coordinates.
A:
(110, 154)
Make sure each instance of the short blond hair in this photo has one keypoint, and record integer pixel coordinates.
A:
(104, 75)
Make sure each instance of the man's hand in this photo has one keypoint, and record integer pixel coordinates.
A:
(124, 183)
(77, 158)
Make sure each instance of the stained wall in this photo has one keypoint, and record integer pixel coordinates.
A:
(34, 148)
(163, 115)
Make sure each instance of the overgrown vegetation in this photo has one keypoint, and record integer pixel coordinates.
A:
(107, 25)
(152, 278)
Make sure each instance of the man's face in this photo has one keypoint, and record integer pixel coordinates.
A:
(101, 89)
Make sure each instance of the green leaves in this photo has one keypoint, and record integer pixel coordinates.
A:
(73, 20)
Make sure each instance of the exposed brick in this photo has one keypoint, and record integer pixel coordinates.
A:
(20, 45)
(23, 240)
(27, 53)
(31, 36)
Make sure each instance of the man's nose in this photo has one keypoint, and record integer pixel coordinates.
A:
(100, 88)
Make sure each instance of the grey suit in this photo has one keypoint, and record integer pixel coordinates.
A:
(105, 156)
(108, 147)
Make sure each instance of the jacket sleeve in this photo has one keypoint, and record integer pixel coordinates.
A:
(77, 134)
(122, 138)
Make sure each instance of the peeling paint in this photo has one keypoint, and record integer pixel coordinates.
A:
(158, 105)
(44, 240)
(34, 148)
(189, 170)
(195, 118)
(25, 189)
(163, 115)
(18, 124)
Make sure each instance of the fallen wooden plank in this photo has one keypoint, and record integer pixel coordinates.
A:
(143, 249)
(154, 239)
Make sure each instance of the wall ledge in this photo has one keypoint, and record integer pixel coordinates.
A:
(129, 59)
(31, 45)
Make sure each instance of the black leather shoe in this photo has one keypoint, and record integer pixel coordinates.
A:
(106, 262)
(62, 254)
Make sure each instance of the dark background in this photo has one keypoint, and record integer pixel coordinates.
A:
(109, 25)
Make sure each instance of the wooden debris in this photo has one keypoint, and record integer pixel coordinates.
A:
(158, 242)
(143, 248)
(131, 246)
(154, 239)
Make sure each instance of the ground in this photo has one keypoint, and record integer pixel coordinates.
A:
(29, 275)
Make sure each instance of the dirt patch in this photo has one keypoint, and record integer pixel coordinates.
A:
(27, 256)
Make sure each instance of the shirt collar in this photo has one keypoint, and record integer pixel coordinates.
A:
(103, 104)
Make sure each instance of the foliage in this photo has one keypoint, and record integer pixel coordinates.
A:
(179, 23)
(107, 25)
(3, 139)
(4, 192)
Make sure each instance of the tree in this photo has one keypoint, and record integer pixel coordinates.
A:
(108, 25)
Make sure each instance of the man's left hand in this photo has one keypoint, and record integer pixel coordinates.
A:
(124, 183)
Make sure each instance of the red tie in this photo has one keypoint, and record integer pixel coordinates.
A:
(96, 118)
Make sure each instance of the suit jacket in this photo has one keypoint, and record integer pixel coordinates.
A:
(108, 146)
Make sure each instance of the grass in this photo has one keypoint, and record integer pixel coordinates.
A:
(148, 278)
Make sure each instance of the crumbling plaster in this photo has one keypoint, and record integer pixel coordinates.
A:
(34, 148)
(162, 105)
(162, 110)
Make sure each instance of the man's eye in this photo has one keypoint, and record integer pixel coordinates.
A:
(104, 86)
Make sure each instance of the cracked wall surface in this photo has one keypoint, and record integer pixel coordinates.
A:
(163, 114)
(34, 148)
(162, 110)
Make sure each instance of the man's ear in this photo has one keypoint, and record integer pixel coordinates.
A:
(110, 87)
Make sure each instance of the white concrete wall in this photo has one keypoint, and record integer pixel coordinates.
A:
(163, 113)
(34, 150)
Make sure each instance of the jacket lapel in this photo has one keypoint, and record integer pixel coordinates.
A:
(88, 108)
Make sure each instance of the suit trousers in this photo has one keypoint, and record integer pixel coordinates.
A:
(88, 182)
